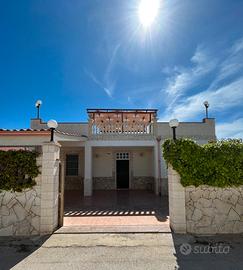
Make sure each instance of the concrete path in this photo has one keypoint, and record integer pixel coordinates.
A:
(122, 251)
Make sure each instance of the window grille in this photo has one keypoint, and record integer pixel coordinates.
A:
(72, 165)
(122, 155)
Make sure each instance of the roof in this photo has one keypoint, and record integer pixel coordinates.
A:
(24, 132)
(35, 132)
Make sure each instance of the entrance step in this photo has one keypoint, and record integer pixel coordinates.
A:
(162, 228)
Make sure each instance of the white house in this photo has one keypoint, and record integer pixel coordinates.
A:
(119, 149)
(116, 149)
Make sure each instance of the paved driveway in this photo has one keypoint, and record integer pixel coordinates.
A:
(122, 251)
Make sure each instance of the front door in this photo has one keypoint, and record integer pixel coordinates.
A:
(122, 174)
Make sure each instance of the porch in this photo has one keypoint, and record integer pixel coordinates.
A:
(105, 167)
(115, 211)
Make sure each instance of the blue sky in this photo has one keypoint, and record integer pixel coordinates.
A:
(79, 54)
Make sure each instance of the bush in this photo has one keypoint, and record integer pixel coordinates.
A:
(18, 170)
(215, 164)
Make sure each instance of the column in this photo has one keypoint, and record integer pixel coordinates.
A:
(156, 170)
(88, 181)
(49, 187)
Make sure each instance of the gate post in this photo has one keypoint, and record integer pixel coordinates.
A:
(49, 187)
(177, 208)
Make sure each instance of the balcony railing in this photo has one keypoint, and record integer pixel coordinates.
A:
(124, 128)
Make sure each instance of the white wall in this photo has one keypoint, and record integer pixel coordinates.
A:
(102, 162)
(143, 162)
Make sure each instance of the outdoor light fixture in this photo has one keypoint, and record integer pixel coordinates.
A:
(52, 124)
(37, 105)
(206, 104)
(174, 123)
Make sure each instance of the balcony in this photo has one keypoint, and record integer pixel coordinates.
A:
(108, 122)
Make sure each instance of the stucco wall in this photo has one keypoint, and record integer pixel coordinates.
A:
(102, 162)
(211, 210)
(142, 161)
(20, 211)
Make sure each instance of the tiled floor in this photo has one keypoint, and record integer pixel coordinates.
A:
(121, 208)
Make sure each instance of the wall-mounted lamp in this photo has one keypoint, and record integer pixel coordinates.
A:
(206, 104)
(37, 105)
(52, 124)
(174, 123)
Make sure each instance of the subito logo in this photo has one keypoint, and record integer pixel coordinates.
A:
(185, 249)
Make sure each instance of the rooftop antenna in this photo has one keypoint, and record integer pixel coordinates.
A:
(37, 105)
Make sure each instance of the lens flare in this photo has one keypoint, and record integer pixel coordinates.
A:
(148, 11)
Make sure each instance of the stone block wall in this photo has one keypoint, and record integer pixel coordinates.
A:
(104, 183)
(213, 210)
(204, 209)
(20, 211)
(142, 182)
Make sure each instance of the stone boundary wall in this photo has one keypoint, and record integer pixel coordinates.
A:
(213, 210)
(204, 209)
(20, 211)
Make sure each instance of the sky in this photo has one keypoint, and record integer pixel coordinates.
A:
(81, 54)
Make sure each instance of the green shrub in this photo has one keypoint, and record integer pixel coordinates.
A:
(18, 170)
(215, 164)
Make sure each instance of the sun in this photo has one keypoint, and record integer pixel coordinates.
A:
(148, 11)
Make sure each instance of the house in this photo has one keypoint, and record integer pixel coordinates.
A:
(116, 149)
(119, 149)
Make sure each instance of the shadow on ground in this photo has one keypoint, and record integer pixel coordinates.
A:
(15, 249)
(208, 252)
(116, 203)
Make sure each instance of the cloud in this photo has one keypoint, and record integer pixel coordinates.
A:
(220, 99)
(224, 91)
(181, 79)
(98, 82)
(230, 129)
(108, 83)
(201, 64)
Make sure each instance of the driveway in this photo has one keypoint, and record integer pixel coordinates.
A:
(122, 251)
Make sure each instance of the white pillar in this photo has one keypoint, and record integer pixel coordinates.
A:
(177, 208)
(88, 181)
(156, 170)
(49, 187)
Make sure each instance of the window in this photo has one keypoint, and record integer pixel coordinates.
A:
(72, 165)
(122, 155)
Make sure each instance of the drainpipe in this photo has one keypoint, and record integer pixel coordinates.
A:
(159, 164)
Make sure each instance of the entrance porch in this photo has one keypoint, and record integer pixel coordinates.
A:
(116, 210)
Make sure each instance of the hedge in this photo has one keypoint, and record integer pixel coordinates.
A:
(217, 164)
(18, 170)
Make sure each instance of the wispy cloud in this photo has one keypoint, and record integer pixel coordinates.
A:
(184, 78)
(224, 91)
(230, 129)
(220, 99)
(108, 81)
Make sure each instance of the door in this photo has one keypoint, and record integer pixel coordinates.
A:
(122, 174)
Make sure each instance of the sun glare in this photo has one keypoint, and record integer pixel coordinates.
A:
(147, 11)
